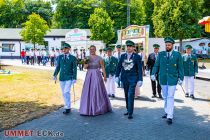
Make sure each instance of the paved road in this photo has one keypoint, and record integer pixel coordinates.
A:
(191, 121)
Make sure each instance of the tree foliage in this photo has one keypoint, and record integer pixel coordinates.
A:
(34, 29)
(14, 12)
(73, 14)
(176, 18)
(11, 13)
(101, 26)
(41, 7)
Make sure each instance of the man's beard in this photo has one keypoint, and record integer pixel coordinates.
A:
(168, 49)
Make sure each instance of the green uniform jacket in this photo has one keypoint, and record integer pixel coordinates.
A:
(169, 70)
(67, 68)
(110, 66)
(190, 65)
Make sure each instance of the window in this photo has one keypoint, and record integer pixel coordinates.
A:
(8, 47)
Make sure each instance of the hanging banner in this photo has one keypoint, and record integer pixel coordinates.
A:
(133, 32)
(76, 35)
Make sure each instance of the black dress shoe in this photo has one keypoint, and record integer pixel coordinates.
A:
(169, 121)
(113, 96)
(109, 95)
(160, 96)
(67, 111)
(192, 96)
(130, 116)
(126, 113)
(154, 96)
(164, 116)
(186, 95)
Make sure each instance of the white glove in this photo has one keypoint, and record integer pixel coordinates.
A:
(196, 73)
(117, 79)
(180, 82)
(146, 72)
(152, 77)
(55, 78)
(139, 83)
(74, 81)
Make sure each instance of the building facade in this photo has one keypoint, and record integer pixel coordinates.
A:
(11, 42)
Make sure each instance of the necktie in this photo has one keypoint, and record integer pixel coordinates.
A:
(168, 55)
(118, 55)
(65, 57)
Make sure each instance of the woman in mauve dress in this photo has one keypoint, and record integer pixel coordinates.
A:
(94, 100)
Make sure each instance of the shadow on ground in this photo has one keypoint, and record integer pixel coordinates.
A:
(15, 113)
(146, 125)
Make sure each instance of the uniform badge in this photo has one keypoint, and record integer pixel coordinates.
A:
(127, 64)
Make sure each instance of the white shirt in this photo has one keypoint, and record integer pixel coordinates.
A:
(27, 53)
(88, 53)
(44, 53)
(37, 53)
(52, 54)
(142, 56)
(57, 53)
(32, 53)
(116, 54)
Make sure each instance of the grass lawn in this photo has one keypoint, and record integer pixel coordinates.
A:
(29, 94)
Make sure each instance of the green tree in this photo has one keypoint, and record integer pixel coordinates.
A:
(205, 7)
(176, 18)
(34, 29)
(138, 16)
(117, 11)
(73, 14)
(11, 13)
(41, 7)
(101, 26)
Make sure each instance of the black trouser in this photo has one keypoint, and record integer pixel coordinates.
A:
(156, 87)
(32, 60)
(27, 59)
(52, 61)
(39, 59)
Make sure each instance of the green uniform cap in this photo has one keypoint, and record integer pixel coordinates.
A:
(156, 46)
(188, 47)
(129, 43)
(109, 49)
(169, 40)
(118, 46)
(66, 45)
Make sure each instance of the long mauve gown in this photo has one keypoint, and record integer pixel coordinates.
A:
(94, 99)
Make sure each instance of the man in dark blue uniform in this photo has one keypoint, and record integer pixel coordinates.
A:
(130, 68)
(150, 64)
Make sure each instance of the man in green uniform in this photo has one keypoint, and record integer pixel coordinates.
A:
(169, 67)
(110, 63)
(190, 63)
(67, 67)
